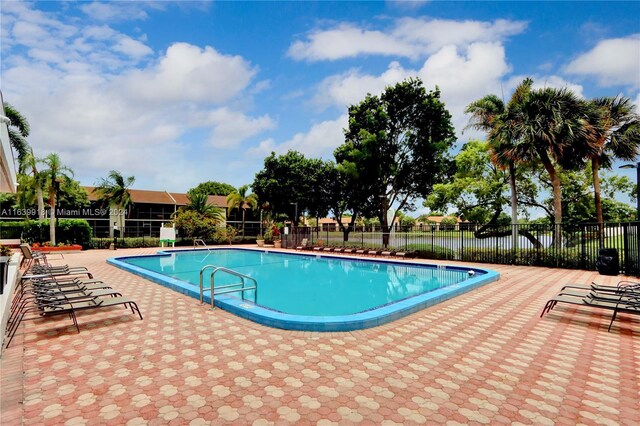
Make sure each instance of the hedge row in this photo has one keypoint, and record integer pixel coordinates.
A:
(68, 231)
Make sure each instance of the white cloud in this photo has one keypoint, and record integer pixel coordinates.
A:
(410, 5)
(462, 76)
(409, 37)
(231, 127)
(435, 34)
(132, 48)
(190, 73)
(612, 62)
(320, 141)
(352, 86)
(92, 94)
(115, 11)
(348, 41)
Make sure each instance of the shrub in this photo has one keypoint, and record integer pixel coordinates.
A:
(428, 251)
(11, 230)
(68, 231)
(565, 258)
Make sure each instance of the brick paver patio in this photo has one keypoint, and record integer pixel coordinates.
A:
(482, 358)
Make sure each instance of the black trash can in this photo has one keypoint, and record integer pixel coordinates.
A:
(608, 262)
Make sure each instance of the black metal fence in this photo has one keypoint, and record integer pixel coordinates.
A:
(564, 246)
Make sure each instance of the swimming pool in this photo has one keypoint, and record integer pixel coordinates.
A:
(311, 292)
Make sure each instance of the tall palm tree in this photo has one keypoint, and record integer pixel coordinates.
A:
(489, 114)
(37, 181)
(18, 131)
(555, 127)
(618, 139)
(113, 191)
(241, 200)
(56, 174)
(199, 203)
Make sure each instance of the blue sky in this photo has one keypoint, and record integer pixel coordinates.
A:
(176, 93)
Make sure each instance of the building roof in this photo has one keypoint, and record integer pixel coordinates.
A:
(325, 220)
(438, 219)
(143, 196)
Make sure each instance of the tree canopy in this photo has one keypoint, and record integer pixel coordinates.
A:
(396, 148)
(241, 199)
(288, 179)
(18, 131)
(213, 188)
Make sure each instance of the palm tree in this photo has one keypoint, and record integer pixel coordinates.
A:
(618, 139)
(555, 127)
(240, 200)
(56, 174)
(18, 131)
(113, 191)
(199, 203)
(37, 181)
(489, 114)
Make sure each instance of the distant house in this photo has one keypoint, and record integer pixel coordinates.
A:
(435, 223)
(331, 225)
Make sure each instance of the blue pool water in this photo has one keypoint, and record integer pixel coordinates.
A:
(311, 289)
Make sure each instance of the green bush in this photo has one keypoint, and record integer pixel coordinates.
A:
(428, 251)
(11, 230)
(68, 231)
(564, 258)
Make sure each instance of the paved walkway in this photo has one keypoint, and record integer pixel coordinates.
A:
(482, 358)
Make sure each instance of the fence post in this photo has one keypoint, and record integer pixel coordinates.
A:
(461, 242)
(625, 248)
(583, 246)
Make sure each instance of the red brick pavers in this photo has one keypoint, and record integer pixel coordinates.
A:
(483, 358)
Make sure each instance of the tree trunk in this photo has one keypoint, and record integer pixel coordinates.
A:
(243, 222)
(384, 222)
(514, 207)
(557, 199)
(595, 166)
(40, 197)
(52, 219)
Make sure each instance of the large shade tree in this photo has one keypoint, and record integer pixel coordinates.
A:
(113, 191)
(395, 148)
(241, 199)
(285, 180)
(213, 188)
(57, 174)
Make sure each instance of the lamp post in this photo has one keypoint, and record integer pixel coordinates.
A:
(637, 167)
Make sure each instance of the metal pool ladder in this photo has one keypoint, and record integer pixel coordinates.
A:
(228, 288)
(200, 242)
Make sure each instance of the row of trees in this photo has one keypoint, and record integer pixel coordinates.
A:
(47, 176)
(558, 130)
(397, 146)
(397, 151)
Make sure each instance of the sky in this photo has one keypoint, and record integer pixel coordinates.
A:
(176, 93)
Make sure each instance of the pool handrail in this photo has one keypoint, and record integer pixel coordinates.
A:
(232, 288)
